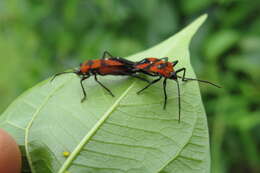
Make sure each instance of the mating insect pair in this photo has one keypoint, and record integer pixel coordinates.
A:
(155, 67)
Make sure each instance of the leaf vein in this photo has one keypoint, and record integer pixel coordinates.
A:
(89, 135)
(27, 129)
(112, 155)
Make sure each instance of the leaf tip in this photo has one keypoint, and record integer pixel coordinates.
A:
(202, 18)
(194, 26)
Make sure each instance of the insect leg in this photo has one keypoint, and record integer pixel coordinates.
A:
(147, 86)
(147, 73)
(83, 89)
(175, 62)
(133, 75)
(95, 76)
(138, 77)
(125, 61)
(179, 99)
(183, 75)
(165, 59)
(164, 91)
(106, 54)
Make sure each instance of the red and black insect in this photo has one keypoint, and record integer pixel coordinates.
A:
(108, 65)
(162, 68)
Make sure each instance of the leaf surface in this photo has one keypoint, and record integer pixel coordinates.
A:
(128, 133)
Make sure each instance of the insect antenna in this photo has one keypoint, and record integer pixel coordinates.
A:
(199, 80)
(62, 73)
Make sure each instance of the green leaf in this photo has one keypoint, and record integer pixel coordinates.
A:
(128, 133)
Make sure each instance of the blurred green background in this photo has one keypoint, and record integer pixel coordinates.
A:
(40, 38)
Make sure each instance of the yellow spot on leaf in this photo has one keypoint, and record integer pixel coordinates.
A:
(66, 153)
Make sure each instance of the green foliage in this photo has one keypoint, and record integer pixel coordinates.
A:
(40, 38)
(104, 134)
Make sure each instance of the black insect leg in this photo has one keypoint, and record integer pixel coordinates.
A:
(175, 62)
(147, 86)
(103, 86)
(183, 75)
(165, 59)
(83, 89)
(138, 77)
(179, 99)
(106, 54)
(147, 73)
(133, 75)
(164, 91)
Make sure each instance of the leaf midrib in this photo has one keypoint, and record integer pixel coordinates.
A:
(92, 132)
